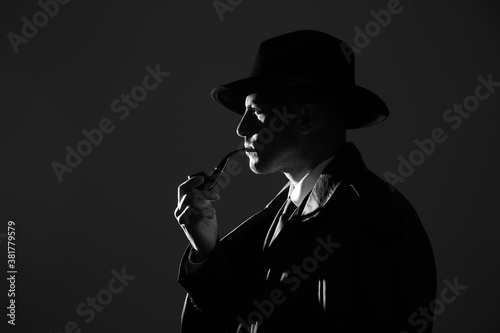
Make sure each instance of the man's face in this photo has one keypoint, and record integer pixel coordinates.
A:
(269, 134)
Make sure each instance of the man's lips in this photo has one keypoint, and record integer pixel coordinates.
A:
(249, 149)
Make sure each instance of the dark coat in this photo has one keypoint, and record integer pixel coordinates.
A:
(355, 259)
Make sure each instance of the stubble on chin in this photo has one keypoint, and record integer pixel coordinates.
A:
(266, 164)
(260, 165)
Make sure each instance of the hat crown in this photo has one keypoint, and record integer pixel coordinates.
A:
(305, 54)
(306, 59)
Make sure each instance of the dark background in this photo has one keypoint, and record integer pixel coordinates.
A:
(116, 208)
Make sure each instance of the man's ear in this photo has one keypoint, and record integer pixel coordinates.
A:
(308, 118)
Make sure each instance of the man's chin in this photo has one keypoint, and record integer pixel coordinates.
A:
(258, 167)
(256, 170)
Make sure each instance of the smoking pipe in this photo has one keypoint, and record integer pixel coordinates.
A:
(211, 180)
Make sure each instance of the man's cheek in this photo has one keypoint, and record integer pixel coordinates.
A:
(258, 146)
(265, 136)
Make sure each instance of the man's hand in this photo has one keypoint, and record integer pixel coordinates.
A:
(196, 216)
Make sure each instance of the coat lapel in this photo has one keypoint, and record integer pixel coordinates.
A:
(347, 161)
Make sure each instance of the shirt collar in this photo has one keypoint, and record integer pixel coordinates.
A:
(306, 184)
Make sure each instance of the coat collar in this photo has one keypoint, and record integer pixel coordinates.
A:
(347, 161)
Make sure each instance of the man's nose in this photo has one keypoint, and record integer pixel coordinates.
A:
(244, 128)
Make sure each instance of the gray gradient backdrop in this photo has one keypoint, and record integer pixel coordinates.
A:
(116, 208)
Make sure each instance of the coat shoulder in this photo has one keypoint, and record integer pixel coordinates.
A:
(384, 210)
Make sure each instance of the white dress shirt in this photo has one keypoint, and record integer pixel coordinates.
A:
(305, 185)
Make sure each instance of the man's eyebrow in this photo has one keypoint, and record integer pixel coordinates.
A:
(267, 100)
(263, 108)
(255, 107)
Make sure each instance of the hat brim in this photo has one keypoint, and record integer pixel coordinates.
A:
(368, 109)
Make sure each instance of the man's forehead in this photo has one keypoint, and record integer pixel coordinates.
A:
(262, 98)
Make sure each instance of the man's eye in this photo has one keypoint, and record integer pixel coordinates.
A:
(257, 112)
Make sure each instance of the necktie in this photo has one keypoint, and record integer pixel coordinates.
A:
(283, 218)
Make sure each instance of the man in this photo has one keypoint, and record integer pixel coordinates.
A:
(338, 249)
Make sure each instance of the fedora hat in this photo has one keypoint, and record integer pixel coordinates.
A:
(306, 58)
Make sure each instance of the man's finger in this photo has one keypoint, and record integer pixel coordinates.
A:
(182, 218)
(188, 185)
(198, 199)
(206, 195)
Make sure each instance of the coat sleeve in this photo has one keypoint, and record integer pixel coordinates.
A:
(211, 291)
(217, 290)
